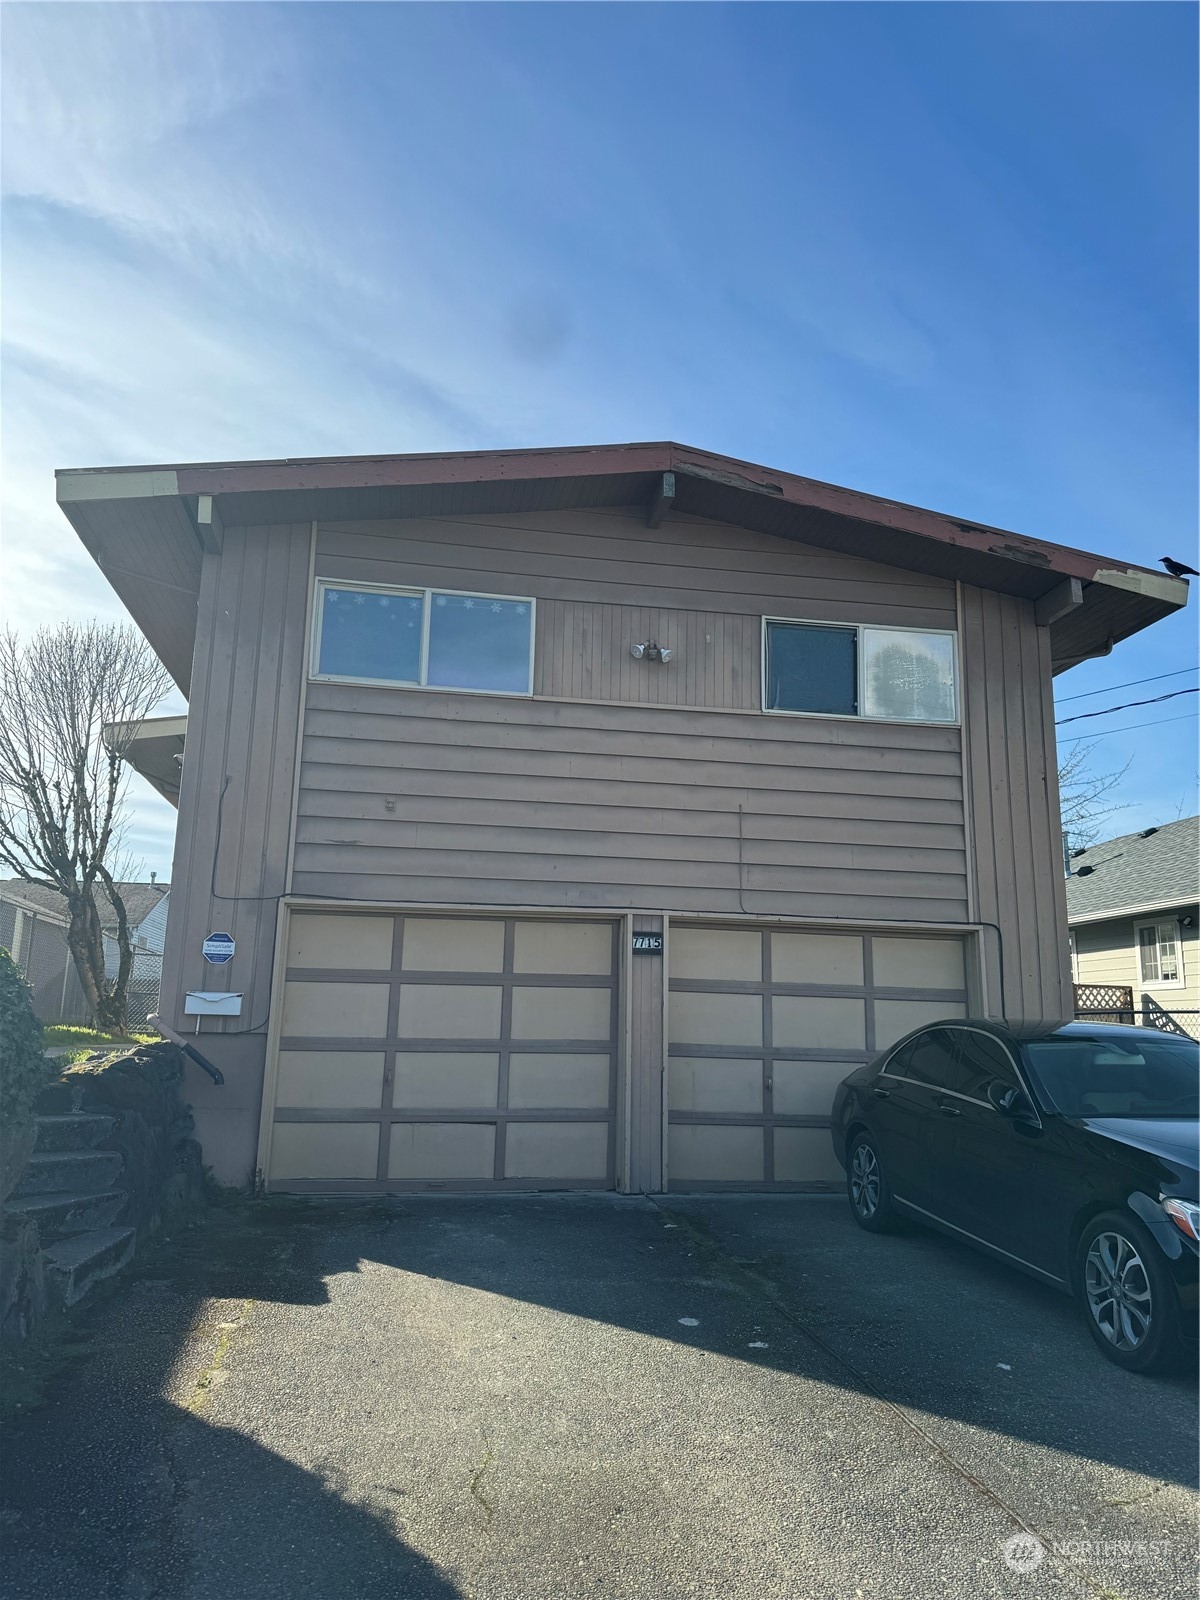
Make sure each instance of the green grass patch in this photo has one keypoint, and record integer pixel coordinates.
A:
(82, 1041)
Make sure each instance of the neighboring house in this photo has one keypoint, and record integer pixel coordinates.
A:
(583, 816)
(1132, 907)
(33, 925)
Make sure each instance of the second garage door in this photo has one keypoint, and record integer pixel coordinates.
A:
(763, 1026)
(444, 1052)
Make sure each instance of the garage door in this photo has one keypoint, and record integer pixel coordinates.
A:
(763, 1025)
(441, 1052)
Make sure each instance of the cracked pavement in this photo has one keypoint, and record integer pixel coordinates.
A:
(534, 1398)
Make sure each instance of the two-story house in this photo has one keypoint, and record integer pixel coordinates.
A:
(582, 816)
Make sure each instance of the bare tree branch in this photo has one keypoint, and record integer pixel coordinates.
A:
(1085, 796)
(72, 699)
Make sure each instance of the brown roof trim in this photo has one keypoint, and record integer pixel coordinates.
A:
(491, 466)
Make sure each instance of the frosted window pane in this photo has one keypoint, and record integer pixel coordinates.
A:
(365, 634)
(908, 676)
(479, 642)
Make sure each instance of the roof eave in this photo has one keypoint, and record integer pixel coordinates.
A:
(179, 508)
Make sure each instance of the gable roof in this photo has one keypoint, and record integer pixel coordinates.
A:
(140, 900)
(148, 527)
(1137, 872)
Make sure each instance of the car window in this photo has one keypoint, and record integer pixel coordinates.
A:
(929, 1059)
(982, 1062)
(1131, 1073)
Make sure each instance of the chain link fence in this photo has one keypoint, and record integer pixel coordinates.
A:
(38, 945)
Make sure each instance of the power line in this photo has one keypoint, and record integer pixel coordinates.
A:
(1131, 727)
(1132, 684)
(1081, 716)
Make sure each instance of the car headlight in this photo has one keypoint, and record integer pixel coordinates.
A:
(1185, 1214)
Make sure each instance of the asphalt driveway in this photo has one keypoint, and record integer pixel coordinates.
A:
(542, 1399)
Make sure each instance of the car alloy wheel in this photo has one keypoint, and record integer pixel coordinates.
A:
(864, 1180)
(1118, 1292)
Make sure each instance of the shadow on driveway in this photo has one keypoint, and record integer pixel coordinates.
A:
(348, 1455)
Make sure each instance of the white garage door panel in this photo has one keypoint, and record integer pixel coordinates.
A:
(331, 941)
(548, 1080)
(330, 1080)
(763, 1026)
(709, 1153)
(446, 1079)
(805, 1155)
(442, 1151)
(489, 1058)
(806, 1088)
(715, 1083)
(335, 1010)
(324, 1150)
(566, 1150)
(894, 1018)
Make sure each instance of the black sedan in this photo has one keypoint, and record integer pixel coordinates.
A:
(1068, 1150)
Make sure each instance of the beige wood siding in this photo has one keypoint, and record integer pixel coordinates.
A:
(1012, 782)
(1106, 952)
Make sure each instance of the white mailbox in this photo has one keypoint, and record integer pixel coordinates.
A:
(212, 1003)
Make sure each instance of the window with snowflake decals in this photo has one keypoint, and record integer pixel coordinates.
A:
(437, 638)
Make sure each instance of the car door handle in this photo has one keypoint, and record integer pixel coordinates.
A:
(880, 1094)
(948, 1110)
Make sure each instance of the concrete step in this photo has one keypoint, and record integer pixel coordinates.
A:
(58, 1214)
(71, 1171)
(79, 1130)
(75, 1265)
(58, 1099)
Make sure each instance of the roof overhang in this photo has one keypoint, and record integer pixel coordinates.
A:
(148, 527)
(1120, 913)
(154, 748)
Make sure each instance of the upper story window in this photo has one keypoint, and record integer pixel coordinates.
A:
(423, 638)
(890, 674)
(1158, 955)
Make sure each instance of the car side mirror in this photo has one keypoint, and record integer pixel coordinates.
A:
(1006, 1098)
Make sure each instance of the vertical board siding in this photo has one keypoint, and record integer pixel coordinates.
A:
(236, 785)
(1013, 803)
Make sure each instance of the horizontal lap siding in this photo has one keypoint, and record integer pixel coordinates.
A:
(418, 796)
(1106, 952)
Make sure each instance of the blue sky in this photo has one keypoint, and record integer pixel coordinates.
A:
(943, 253)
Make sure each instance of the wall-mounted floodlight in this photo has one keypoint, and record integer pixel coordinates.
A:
(649, 651)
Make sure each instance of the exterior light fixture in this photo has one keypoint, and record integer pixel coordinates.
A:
(649, 651)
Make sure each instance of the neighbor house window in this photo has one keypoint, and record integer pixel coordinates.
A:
(888, 674)
(1159, 964)
(426, 638)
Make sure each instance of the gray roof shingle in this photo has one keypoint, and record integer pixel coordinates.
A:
(140, 900)
(1136, 870)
